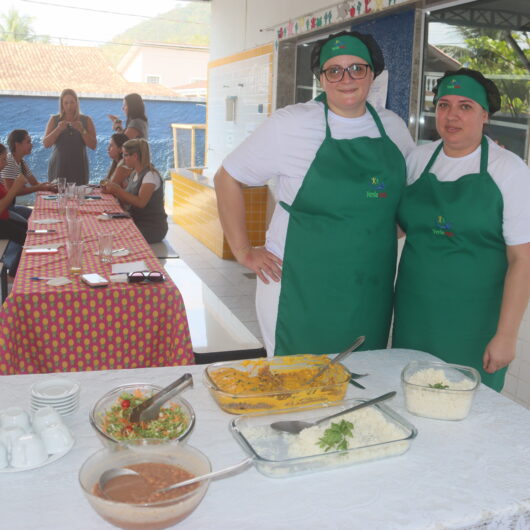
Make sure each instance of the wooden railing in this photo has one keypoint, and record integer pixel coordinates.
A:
(193, 127)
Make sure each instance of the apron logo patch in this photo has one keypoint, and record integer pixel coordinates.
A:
(442, 227)
(338, 46)
(377, 189)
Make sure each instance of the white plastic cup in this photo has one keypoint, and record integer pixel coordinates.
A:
(45, 417)
(61, 185)
(74, 227)
(61, 204)
(56, 438)
(105, 247)
(3, 456)
(74, 250)
(15, 417)
(8, 435)
(28, 451)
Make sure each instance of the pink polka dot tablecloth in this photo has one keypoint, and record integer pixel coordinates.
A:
(75, 327)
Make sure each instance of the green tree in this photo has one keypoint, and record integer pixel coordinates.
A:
(185, 24)
(16, 27)
(502, 54)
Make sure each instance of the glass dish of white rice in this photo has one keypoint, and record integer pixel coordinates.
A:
(438, 390)
(376, 432)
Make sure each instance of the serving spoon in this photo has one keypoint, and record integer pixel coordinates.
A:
(150, 408)
(338, 358)
(297, 426)
(115, 472)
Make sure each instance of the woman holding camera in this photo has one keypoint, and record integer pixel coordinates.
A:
(136, 124)
(70, 133)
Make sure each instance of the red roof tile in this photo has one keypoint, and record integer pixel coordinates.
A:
(37, 68)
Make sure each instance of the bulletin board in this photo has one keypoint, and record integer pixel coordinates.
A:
(239, 99)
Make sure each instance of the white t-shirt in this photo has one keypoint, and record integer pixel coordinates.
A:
(151, 177)
(285, 145)
(13, 169)
(508, 171)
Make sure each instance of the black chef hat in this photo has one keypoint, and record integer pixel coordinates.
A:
(492, 92)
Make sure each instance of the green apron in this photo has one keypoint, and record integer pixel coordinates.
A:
(340, 250)
(451, 275)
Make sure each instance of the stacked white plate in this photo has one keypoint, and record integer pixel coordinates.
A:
(60, 393)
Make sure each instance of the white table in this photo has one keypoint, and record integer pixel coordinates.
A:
(455, 475)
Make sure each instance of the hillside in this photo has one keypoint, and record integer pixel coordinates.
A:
(192, 26)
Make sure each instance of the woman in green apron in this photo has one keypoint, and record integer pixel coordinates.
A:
(331, 241)
(464, 276)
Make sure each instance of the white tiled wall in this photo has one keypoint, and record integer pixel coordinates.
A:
(517, 385)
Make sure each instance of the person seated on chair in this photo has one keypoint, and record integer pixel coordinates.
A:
(20, 145)
(118, 171)
(9, 228)
(144, 195)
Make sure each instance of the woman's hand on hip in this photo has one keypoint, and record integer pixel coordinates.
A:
(264, 263)
(500, 352)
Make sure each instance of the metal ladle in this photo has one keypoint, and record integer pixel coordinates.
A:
(114, 472)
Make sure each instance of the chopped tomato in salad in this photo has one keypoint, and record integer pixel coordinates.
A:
(170, 424)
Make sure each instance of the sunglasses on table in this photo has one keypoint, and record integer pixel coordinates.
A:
(145, 276)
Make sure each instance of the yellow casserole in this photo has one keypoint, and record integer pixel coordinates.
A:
(255, 385)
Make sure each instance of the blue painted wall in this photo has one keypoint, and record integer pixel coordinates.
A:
(32, 113)
(395, 36)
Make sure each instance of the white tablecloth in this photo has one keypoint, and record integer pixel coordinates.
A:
(468, 474)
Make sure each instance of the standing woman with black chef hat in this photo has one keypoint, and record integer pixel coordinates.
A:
(464, 277)
(326, 273)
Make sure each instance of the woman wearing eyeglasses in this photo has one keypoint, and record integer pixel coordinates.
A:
(326, 273)
(144, 195)
(464, 276)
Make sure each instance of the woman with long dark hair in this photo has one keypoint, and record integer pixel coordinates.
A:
(20, 145)
(118, 171)
(9, 228)
(70, 133)
(136, 124)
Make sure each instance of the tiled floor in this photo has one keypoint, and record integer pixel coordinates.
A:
(227, 279)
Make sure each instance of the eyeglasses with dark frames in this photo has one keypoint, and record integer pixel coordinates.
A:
(356, 71)
(142, 276)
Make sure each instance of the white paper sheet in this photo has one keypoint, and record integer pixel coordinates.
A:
(131, 266)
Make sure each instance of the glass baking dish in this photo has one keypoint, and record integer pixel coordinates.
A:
(255, 385)
(378, 431)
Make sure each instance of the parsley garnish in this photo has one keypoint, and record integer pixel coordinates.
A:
(441, 386)
(334, 437)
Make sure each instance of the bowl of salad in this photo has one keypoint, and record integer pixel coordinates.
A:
(110, 416)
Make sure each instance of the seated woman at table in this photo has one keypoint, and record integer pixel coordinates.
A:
(464, 277)
(19, 142)
(144, 195)
(10, 228)
(118, 171)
